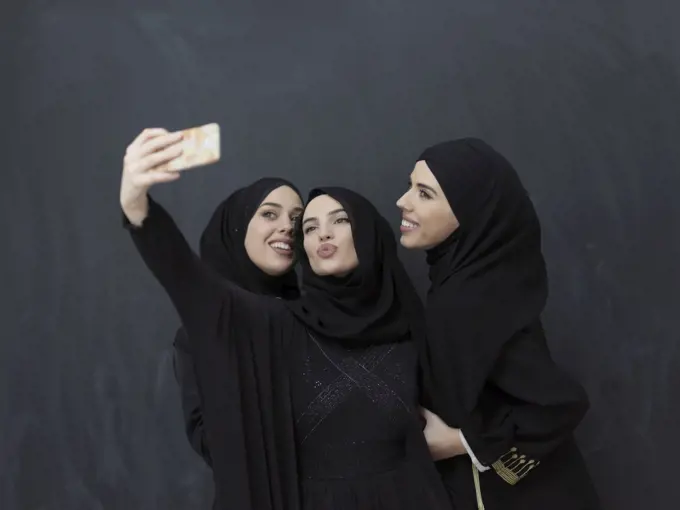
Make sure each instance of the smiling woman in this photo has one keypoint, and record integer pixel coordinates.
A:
(269, 237)
(249, 237)
(492, 384)
(248, 242)
(427, 219)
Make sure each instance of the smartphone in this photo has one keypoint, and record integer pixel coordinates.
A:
(201, 146)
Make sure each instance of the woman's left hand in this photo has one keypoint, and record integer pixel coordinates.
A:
(444, 441)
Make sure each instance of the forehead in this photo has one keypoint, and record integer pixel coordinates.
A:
(321, 206)
(423, 175)
(284, 195)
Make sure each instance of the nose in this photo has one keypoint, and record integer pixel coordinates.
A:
(287, 227)
(325, 233)
(403, 203)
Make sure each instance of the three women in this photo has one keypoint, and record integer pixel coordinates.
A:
(311, 403)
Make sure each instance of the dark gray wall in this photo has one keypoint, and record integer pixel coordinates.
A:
(583, 96)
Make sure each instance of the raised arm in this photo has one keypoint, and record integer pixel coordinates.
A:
(192, 287)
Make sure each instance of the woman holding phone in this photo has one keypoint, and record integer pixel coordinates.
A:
(312, 403)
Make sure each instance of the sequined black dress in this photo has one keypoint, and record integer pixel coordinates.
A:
(359, 441)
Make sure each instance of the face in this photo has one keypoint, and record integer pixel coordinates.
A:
(269, 238)
(426, 216)
(328, 238)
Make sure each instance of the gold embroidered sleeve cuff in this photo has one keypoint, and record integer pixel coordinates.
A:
(513, 466)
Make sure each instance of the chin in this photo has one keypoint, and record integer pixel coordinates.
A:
(329, 269)
(323, 271)
(278, 268)
(409, 242)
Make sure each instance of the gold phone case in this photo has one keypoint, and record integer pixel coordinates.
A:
(201, 147)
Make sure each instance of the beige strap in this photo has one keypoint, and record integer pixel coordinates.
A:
(478, 489)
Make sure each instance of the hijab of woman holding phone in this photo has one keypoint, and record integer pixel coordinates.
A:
(501, 413)
(248, 241)
(318, 407)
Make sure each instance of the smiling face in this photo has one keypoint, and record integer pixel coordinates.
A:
(328, 239)
(427, 218)
(269, 238)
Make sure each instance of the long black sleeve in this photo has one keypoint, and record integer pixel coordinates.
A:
(237, 340)
(192, 404)
(193, 289)
(527, 409)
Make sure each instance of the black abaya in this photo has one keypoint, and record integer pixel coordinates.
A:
(294, 419)
(487, 366)
(222, 247)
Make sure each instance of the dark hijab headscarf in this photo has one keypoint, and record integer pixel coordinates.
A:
(488, 278)
(222, 249)
(222, 243)
(375, 303)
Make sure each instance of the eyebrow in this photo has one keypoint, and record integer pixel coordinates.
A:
(271, 204)
(314, 218)
(425, 186)
(274, 204)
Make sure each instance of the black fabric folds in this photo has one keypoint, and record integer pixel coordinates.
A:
(488, 280)
(222, 248)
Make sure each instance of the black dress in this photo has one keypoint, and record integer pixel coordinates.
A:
(222, 248)
(354, 411)
(292, 421)
(488, 368)
(522, 431)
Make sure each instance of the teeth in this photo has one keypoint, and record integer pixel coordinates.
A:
(408, 224)
(281, 246)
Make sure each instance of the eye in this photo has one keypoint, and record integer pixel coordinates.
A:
(309, 229)
(342, 220)
(270, 215)
(424, 194)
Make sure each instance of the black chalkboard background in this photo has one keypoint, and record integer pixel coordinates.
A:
(582, 96)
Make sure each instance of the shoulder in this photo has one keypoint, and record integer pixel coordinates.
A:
(256, 306)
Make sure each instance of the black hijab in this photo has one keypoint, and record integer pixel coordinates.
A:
(488, 278)
(375, 303)
(222, 248)
(222, 243)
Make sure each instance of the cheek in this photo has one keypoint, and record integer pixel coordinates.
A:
(349, 253)
(256, 239)
(427, 221)
(255, 250)
(309, 247)
(432, 222)
(441, 227)
(353, 260)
